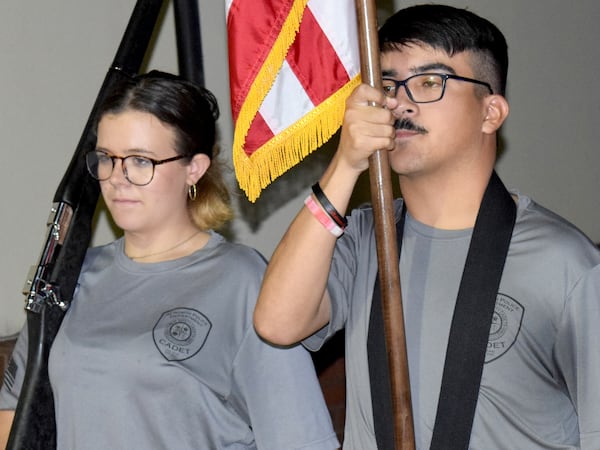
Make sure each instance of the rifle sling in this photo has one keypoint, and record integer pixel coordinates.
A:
(469, 330)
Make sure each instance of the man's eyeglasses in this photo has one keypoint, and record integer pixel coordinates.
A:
(425, 87)
(138, 170)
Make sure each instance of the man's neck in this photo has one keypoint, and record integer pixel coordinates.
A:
(445, 202)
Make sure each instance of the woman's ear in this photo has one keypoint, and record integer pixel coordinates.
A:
(496, 112)
(197, 167)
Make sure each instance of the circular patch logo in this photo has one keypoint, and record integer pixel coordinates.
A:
(180, 333)
(506, 323)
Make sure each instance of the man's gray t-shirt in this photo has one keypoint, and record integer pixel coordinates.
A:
(539, 388)
(165, 356)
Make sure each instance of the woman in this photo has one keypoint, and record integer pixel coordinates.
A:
(157, 349)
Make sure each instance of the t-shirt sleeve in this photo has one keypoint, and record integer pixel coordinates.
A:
(278, 390)
(14, 373)
(578, 356)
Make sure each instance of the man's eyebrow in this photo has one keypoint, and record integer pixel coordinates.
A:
(389, 73)
(438, 66)
(434, 66)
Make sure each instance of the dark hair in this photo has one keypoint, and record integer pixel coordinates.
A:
(191, 111)
(452, 30)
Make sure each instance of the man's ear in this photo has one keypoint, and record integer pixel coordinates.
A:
(496, 112)
(197, 167)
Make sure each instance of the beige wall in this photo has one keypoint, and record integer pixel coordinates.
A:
(55, 56)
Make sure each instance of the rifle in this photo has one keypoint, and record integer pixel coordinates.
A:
(51, 283)
(189, 40)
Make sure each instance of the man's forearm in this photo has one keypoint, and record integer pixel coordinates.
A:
(293, 302)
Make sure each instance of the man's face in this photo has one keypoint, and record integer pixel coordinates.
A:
(432, 138)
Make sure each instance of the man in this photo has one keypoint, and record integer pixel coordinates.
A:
(444, 75)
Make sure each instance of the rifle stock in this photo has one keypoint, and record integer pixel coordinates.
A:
(51, 283)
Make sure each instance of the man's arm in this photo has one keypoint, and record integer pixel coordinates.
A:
(293, 302)
(6, 419)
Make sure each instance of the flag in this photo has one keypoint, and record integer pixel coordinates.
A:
(292, 64)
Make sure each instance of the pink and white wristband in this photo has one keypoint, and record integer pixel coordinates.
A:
(323, 217)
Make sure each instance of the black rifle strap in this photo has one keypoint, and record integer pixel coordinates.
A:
(469, 330)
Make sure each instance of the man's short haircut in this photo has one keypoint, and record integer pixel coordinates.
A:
(452, 30)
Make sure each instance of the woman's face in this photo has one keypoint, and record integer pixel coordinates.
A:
(162, 202)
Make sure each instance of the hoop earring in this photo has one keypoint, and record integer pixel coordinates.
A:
(192, 192)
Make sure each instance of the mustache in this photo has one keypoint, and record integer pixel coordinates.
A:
(407, 124)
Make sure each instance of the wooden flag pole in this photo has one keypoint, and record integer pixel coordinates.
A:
(387, 249)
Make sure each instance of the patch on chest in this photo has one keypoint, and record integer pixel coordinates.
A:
(180, 333)
(506, 324)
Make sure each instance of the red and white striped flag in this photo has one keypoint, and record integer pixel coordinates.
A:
(292, 64)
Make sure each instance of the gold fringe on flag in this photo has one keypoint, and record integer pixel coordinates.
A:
(266, 76)
(289, 147)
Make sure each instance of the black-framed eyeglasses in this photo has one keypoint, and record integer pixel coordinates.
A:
(138, 170)
(425, 87)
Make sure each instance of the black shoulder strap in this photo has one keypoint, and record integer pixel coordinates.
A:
(469, 330)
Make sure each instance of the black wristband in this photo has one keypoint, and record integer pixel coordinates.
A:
(328, 207)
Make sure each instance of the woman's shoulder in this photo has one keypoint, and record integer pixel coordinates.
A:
(104, 252)
(237, 253)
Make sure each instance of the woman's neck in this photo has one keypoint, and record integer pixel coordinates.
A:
(143, 248)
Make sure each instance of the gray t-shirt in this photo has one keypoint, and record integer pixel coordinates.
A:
(539, 388)
(164, 356)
